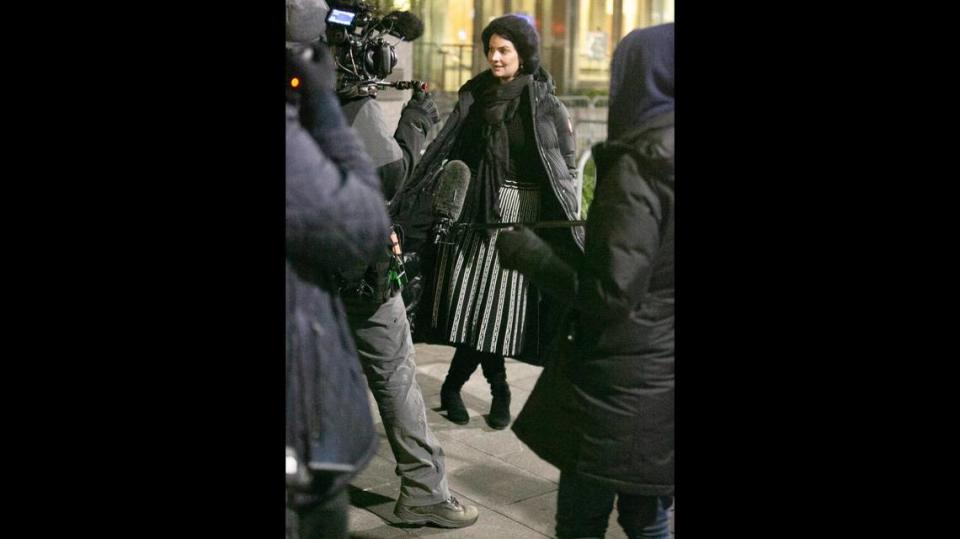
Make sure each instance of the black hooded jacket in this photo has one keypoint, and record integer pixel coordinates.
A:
(611, 383)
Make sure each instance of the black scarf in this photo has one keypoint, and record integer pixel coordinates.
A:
(495, 107)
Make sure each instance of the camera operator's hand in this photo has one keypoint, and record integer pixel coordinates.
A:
(319, 106)
(421, 110)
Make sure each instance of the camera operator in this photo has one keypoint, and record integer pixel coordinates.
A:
(334, 212)
(364, 61)
(365, 57)
(394, 156)
(375, 309)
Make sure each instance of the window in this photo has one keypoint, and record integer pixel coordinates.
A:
(443, 56)
(600, 25)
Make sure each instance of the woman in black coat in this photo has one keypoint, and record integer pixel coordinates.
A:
(515, 137)
(603, 411)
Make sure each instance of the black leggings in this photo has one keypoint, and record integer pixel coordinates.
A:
(465, 362)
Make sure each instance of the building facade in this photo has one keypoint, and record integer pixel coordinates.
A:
(577, 36)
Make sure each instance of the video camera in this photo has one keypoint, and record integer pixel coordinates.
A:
(364, 56)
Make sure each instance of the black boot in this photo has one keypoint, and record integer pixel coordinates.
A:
(451, 402)
(500, 408)
(464, 362)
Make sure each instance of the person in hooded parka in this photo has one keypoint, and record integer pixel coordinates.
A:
(603, 409)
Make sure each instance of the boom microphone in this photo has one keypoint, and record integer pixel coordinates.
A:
(403, 24)
(536, 224)
(449, 197)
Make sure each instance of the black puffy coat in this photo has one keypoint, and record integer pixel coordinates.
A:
(556, 146)
(612, 386)
(334, 214)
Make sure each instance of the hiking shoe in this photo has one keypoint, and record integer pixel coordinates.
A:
(449, 513)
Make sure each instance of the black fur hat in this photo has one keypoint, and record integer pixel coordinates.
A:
(521, 34)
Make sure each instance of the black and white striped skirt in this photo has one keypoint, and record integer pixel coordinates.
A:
(476, 302)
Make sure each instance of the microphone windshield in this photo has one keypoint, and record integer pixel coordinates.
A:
(451, 190)
(405, 24)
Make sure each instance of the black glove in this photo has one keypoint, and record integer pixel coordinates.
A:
(421, 110)
(521, 249)
(524, 251)
(319, 106)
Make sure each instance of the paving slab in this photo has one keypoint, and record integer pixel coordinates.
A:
(526, 459)
(497, 485)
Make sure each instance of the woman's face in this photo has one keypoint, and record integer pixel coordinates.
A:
(503, 58)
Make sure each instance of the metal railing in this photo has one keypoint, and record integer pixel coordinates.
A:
(589, 118)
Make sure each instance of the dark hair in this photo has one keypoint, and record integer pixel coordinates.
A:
(521, 34)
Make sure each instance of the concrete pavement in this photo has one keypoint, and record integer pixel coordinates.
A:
(514, 489)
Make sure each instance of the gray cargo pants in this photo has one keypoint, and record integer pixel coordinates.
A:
(386, 352)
